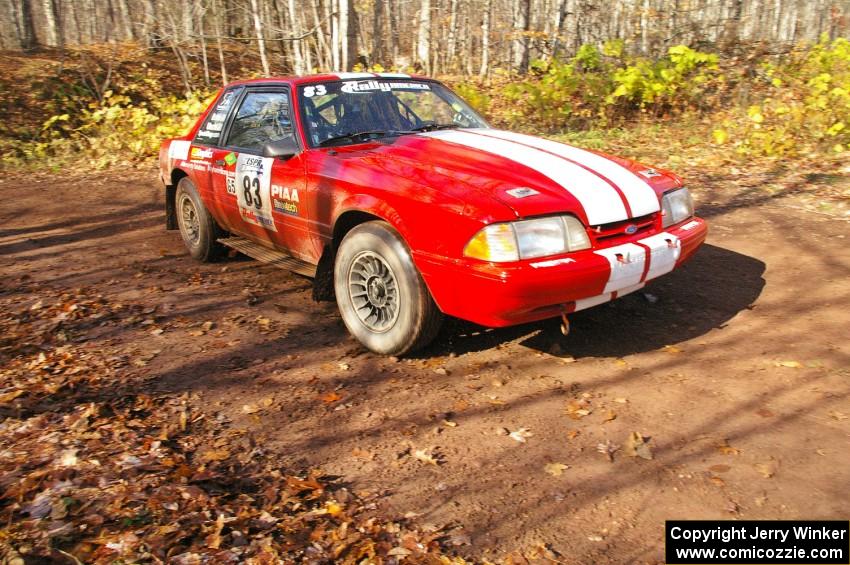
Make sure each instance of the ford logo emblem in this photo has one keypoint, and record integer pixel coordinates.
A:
(631, 228)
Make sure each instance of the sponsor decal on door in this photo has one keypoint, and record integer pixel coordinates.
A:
(253, 190)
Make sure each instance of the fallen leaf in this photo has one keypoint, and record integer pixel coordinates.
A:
(726, 449)
(671, 349)
(425, 456)
(578, 409)
(213, 540)
(572, 434)
(68, 458)
(719, 468)
(214, 455)
(610, 416)
(520, 435)
(460, 405)
(790, 364)
(608, 449)
(10, 396)
(250, 408)
(330, 397)
(620, 400)
(333, 507)
(555, 469)
(344, 366)
(636, 446)
(362, 454)
(767, 468)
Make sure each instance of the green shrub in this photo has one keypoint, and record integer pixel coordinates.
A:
(806, 107)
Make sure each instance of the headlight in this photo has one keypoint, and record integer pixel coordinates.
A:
(527, 239)
(676, 206)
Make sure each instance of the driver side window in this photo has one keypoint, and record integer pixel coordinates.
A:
(263, 117)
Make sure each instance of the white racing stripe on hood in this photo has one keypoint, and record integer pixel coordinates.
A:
(641, 197)
(601, 203)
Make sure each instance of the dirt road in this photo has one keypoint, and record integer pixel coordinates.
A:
(735, 369)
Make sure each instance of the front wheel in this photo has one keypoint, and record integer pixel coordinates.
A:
(381, 296)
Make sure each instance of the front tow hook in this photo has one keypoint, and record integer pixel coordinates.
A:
(565, 323)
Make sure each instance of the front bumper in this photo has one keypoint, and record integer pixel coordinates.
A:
(496, 295)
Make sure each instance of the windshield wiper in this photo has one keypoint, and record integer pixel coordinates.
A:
(433, 127)
(357, 136)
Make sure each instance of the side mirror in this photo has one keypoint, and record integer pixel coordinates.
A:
(283, 148)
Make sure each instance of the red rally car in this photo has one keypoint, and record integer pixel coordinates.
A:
(403, 204)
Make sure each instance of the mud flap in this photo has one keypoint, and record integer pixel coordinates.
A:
(170, 207)
(323, 283)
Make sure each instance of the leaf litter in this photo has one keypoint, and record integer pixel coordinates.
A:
(96, 471)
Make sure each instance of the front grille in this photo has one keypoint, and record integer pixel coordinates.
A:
(614, 233)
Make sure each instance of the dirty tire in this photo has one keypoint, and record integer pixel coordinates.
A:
(197, 227)
(381, 296)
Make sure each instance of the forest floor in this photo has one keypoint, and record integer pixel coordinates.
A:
(735, 371)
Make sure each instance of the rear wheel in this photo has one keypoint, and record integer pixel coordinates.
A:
(197, 227)
(381, 296)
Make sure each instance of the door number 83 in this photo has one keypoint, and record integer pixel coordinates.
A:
(251, 191)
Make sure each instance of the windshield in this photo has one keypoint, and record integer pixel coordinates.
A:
(353, 111)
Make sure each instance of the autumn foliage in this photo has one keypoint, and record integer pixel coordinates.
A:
(98, 469)
(102, 108)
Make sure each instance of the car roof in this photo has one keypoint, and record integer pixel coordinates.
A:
(325, 77)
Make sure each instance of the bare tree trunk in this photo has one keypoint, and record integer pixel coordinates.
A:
(422, 54)
(261, 41)
(218, 32)
(188, 21)
(149, 22)
(298, 58)
(392, 15)
(558, 31)
(51, 24)
(378, 33)
(350, 35)
(337, 33)
(202, 13)
(451, 42)
(322, 49)
(127, 30)
(14, 16)
(485, 39)
(522, 19)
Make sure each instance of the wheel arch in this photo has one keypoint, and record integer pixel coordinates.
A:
(355, 211)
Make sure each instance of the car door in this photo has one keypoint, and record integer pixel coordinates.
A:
(263, 194)
(207, 148)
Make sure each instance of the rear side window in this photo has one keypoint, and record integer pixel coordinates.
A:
(210, 132)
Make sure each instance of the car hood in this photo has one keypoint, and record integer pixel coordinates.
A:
(533, 176)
